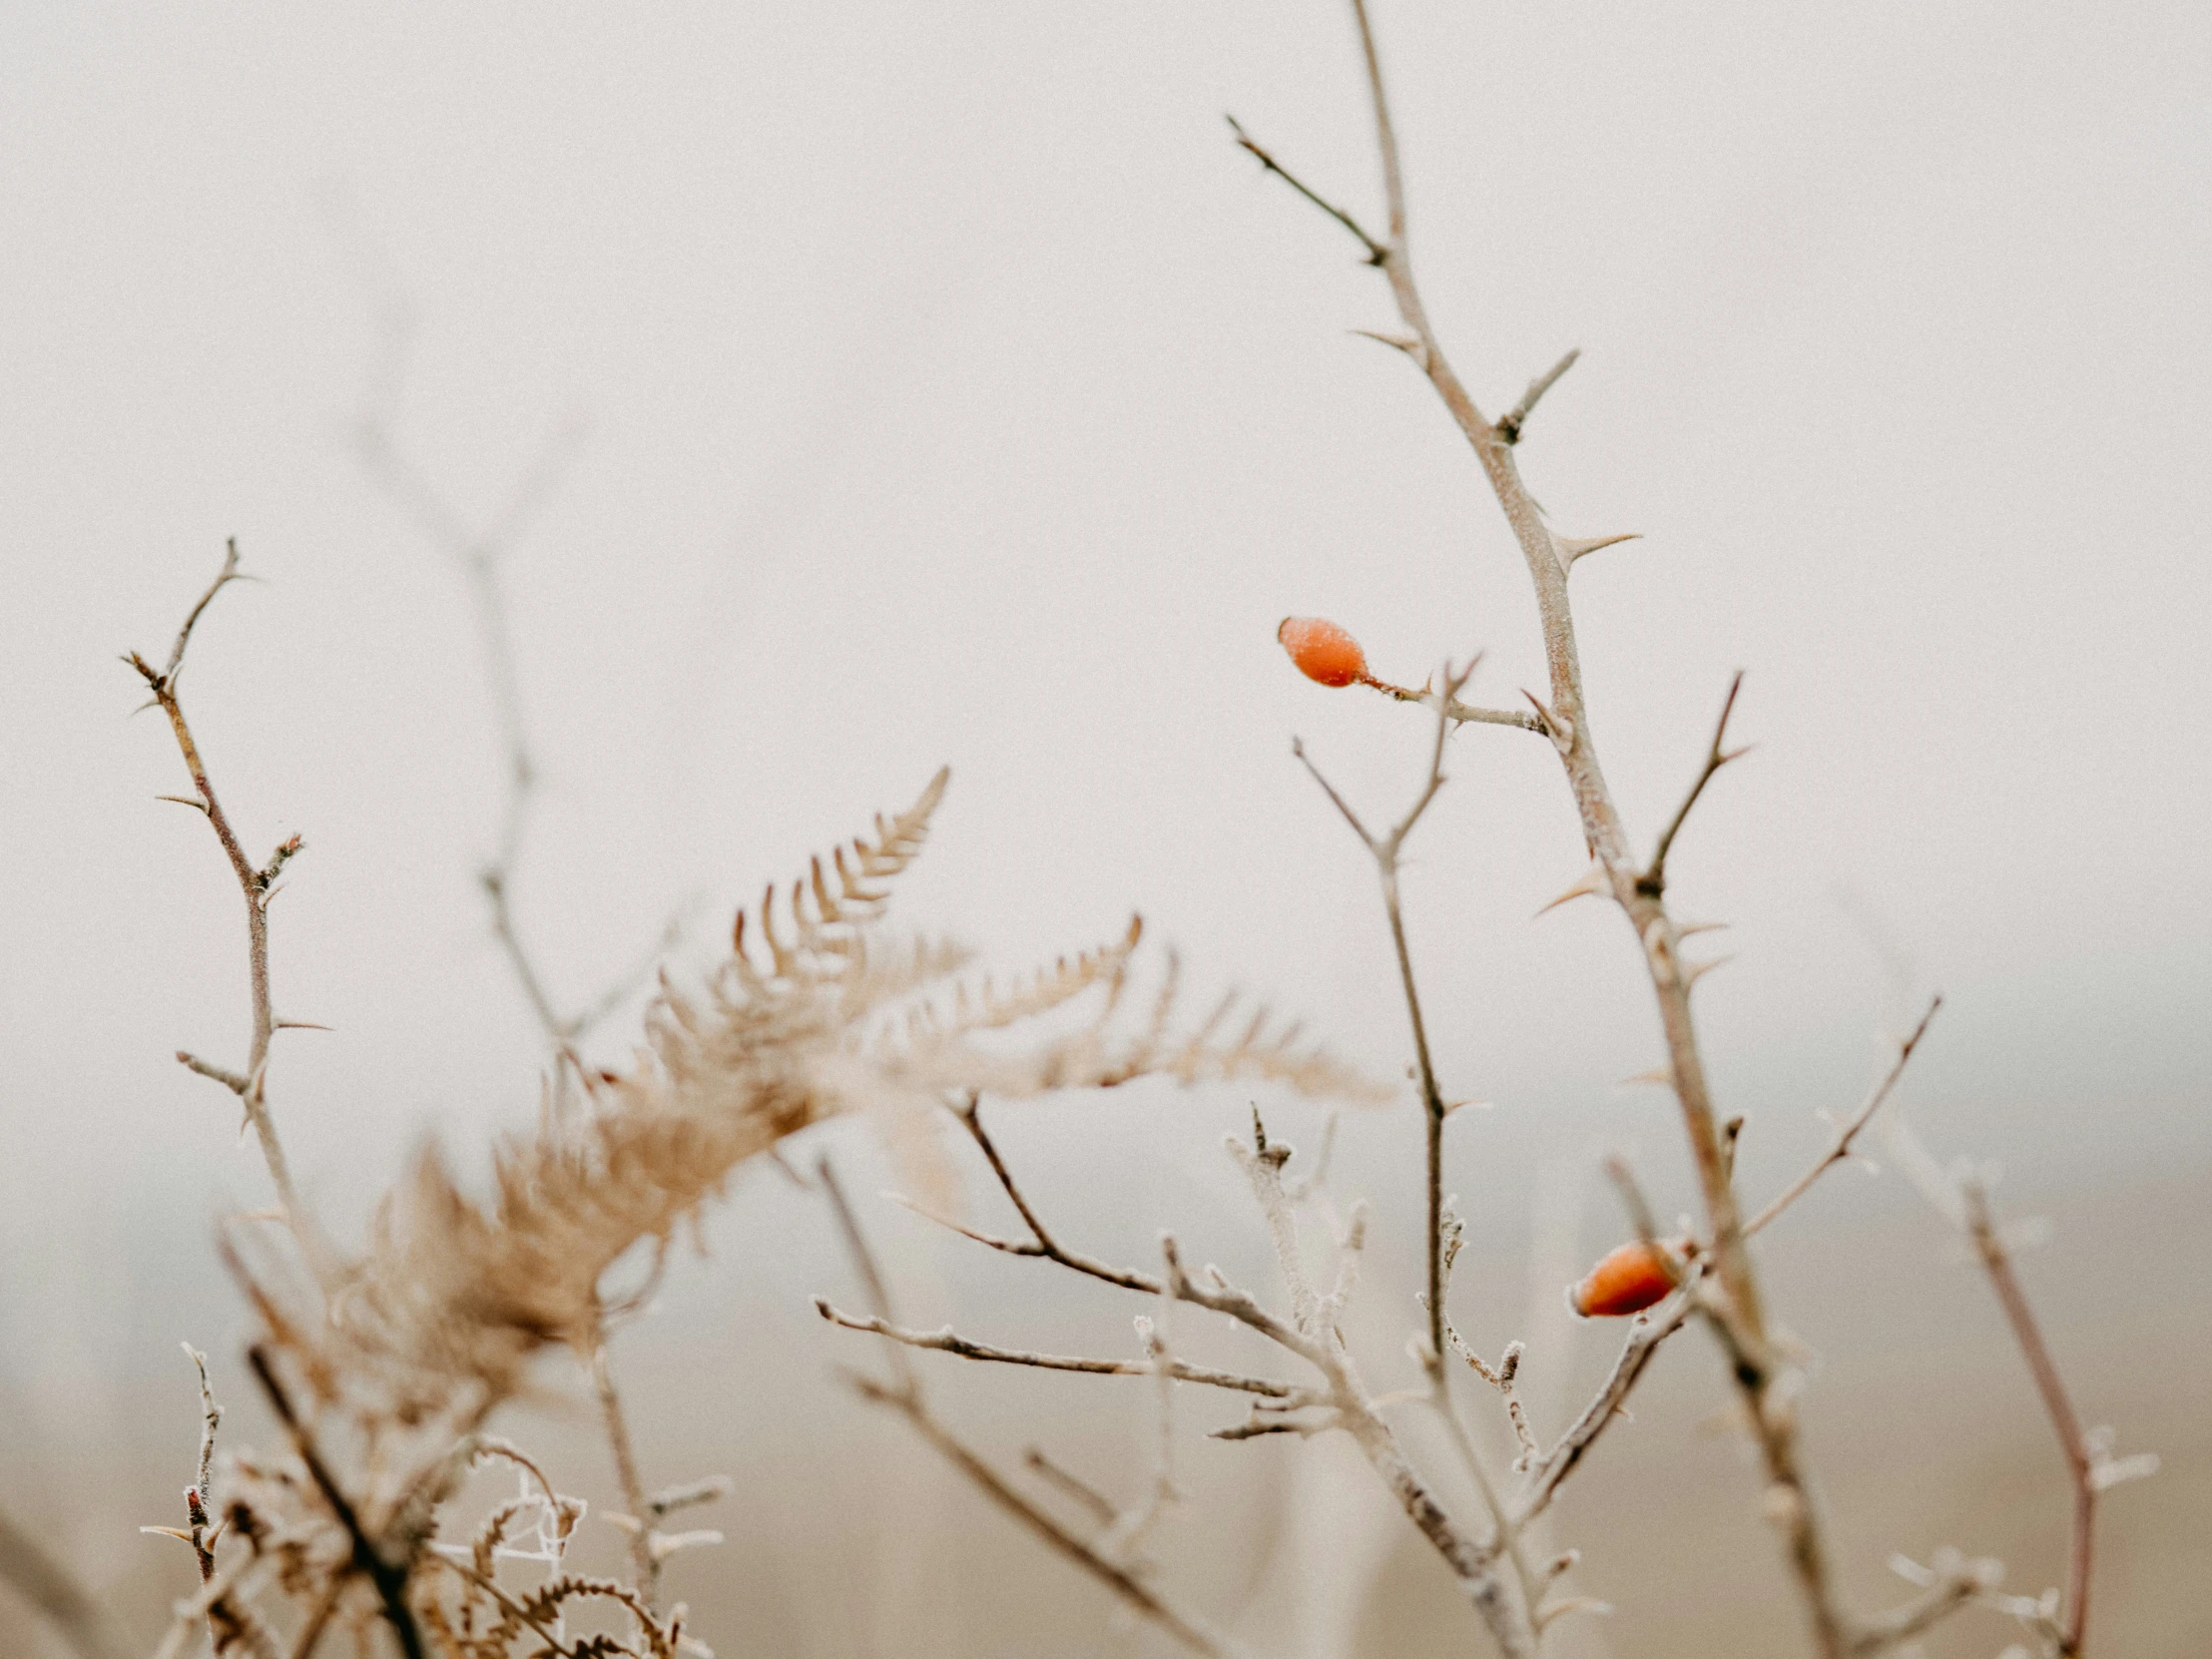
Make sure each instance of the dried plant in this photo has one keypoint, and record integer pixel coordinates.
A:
(1714, 1276)
(384, 1366)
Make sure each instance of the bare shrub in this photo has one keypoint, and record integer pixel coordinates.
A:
(386, 1365)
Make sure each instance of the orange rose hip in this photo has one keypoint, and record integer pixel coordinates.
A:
(1627, 1281)
(1323, 651)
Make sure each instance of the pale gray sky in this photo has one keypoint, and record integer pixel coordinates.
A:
(953, 389)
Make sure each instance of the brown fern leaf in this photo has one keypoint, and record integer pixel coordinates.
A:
(812, 1016)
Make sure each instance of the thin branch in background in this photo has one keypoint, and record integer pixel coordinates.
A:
(905, 1395)
(68, 1608)
(1847, 1131)
(1955, 1583)
(479, 554)
(645, 1561)
(1079, 1491)
(389, 1579)
(2081, 1456)
(258, 886)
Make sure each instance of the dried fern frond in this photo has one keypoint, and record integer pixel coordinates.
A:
(814, 1015)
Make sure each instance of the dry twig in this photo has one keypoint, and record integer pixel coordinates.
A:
(257, 885)
(905, 1395)
(2082, 1455)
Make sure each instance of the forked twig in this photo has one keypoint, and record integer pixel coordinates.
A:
(1549, 558)
(1653, 882)
(905, 1395)
(257, 885)
(1385, 849)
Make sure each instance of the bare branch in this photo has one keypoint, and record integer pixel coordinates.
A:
(1072, 1486)
(1847, 1131)
(1509, 424)
(2080, 1455)
(947, 1340)
(1385, 853)
(1458, 713)
(255, 884)
(389, 1578)
(202, 1490)
(1045, 1246)
(1552, 1467)
(1184, 1627)
(1653, 882)
(1951, 1589)
(1566, 720)
(644, 1563)
(1377, 253)
(905, 1395)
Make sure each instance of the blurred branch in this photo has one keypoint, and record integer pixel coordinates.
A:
(644, 1563)
(389, 1578)
(1847, 1131)
(50, 1589)
(2082, 1455)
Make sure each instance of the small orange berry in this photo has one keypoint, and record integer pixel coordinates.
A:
(1627, 1281)
(1322, 649)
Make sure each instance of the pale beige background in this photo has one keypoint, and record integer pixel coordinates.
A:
(951, 389)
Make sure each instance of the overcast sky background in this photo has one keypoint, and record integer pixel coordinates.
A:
(951, 389)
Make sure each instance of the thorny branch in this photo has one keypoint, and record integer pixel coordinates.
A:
(389, 1578)
(1458, 713)
(1341, 1401)
(257, 885)
(1509, 424)
(1549, 558)
(905, 1395)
